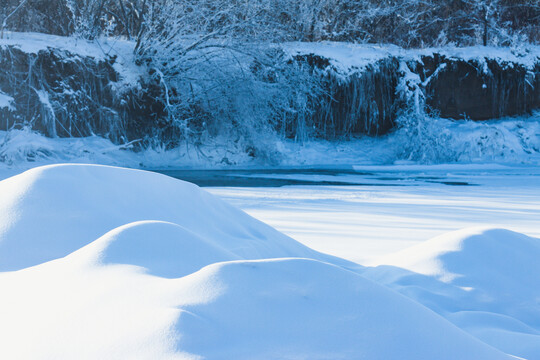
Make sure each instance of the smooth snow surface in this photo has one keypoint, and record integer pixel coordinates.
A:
(384, 209)
(297, 308)
(481, 278)
(492, 276)
(144, 266)
(51, 211)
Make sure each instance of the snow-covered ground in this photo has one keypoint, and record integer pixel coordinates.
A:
(388, 208)
(101, 262)
(433, 141)
(445, 219)
(405, 261)
(104, 262)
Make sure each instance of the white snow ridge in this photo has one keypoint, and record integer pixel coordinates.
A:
(107, 263)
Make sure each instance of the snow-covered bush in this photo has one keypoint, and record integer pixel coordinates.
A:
(408, 23)
(47, 16)
(92, 18)
(221, 74)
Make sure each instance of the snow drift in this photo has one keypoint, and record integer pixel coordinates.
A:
(497, 267)
(296, 308)
(484, 280)
(117, 263)
(51, 211)
(268, 309)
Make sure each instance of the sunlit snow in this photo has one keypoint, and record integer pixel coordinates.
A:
(104, 262)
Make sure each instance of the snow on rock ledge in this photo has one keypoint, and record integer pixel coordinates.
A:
(477, 83)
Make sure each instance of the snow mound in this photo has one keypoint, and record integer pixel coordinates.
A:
(161, 248)
(265, 309)
(499, 266)
(48, 212)
(305, 309)
(117, 263)
(484, 280)
(503, 332)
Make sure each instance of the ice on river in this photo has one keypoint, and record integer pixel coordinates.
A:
(388, 208)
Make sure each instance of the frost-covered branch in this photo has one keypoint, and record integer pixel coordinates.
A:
(4, 22)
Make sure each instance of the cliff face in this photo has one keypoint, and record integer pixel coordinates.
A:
(65, 94)
(369, 101)
(59, 93)
(365, 103)
(479, 90)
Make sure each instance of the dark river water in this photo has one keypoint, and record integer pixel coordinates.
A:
(325, 177)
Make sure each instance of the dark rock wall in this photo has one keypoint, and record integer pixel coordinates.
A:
(66, 95)
(59, 94)
(365, 103)
(479, 90)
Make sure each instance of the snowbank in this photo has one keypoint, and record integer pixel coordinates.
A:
(496, 266)
(484, 280)
(117, 263)
(69, 206)
(266, 309)
(437, 141)
(297, 308)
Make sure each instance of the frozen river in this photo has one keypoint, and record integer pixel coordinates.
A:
(360, 213)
